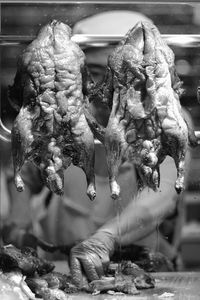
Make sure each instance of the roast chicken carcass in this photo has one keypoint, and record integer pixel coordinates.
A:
(146, 123)
(50, 87)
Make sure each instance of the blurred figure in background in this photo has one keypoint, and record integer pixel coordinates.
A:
(92, 228)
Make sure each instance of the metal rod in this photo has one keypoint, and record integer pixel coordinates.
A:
(116, 2)
(180, 40)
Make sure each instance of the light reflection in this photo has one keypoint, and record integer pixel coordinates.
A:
(183, 40)
(180, 40)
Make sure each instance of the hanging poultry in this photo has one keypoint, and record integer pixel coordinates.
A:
(142, 90)
(50, 88)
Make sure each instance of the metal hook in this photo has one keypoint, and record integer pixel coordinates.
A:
(6, 131)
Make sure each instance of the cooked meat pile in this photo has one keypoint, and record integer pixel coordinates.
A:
(129, 279)
(26, 260)
(48, 284)
(37, 273)
(50, 87)
(146, 124)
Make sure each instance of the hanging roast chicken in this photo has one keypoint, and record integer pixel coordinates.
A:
(146, 123)
(50, 88)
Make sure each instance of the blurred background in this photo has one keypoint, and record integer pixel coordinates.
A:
(22, 21)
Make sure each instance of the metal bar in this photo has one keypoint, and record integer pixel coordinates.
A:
(180, 40)
(116, 2)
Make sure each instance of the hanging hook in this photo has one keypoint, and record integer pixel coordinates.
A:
(6, 137)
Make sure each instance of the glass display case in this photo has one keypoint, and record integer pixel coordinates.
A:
(179, 25)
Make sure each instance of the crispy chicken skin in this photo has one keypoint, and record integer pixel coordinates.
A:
(146, 124)
(51, 87)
